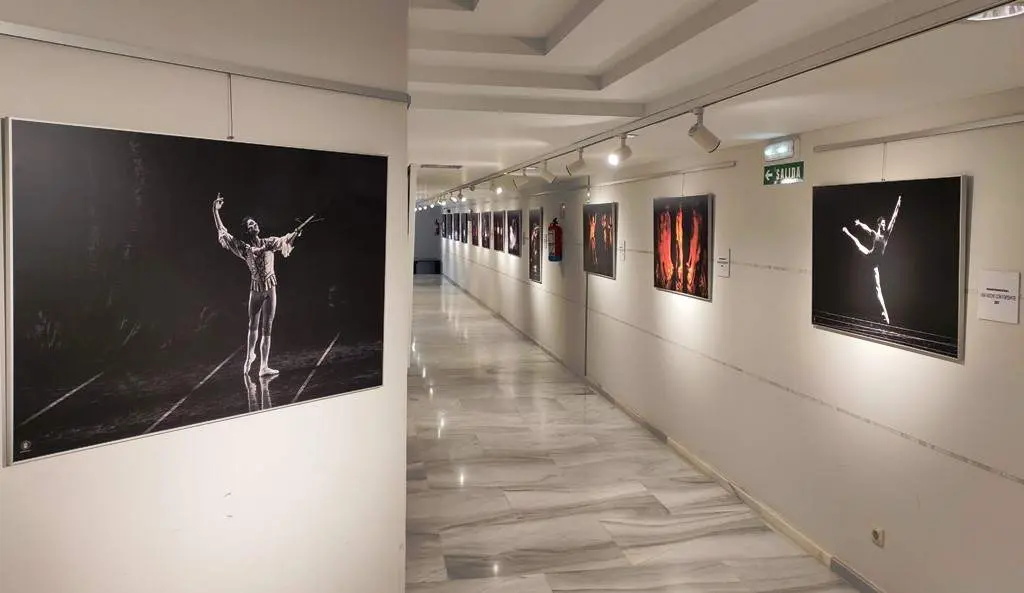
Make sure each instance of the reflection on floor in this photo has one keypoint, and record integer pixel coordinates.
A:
(522, 480)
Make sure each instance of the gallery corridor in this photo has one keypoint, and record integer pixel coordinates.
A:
(521, 479)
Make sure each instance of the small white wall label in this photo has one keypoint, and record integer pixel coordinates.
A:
(723, 264)
(999, 296)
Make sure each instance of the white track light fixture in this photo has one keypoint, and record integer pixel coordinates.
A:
(546, 173)
(620, 154)
(701, 135)
(576, 167)
(1005, 11)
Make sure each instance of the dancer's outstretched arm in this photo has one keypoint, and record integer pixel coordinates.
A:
(892, 221)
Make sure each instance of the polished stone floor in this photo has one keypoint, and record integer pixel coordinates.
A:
(523, 480)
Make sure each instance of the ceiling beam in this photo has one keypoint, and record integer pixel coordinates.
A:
(461, 5)
(482, 44)
(678, 35)
(437, 101)
(573, 19)
(509, 78)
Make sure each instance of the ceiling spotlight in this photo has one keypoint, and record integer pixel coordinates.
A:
(499, 190)
(1000, 12)
(546, 173)
(620, 154)
(701, 135)
(462, 198)
(576, 167)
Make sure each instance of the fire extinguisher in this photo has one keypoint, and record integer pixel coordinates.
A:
(554, 241)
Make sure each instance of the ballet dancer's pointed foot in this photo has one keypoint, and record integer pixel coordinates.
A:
(267, 371)
(249, 359)
(885, 316)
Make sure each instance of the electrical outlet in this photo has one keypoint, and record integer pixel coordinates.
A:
(878, 536)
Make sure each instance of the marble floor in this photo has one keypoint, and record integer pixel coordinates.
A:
(521, 479)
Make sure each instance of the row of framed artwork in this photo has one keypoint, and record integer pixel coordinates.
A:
(496, 230)
(899, 284)
(682, 243)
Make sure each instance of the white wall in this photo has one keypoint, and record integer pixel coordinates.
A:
(309, 498)
(837, 434)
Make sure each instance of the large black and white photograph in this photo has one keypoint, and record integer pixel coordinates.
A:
(464, 227)
(485, 230)
(157, 282)
(888, 262)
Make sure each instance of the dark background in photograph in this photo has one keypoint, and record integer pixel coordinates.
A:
(129, 317)
(498, 236)
(919, 271)
(514, 238)
(464, 227)
(599, 232)
(536, 228)
(474, 230)
(682, 248)
(485, 230)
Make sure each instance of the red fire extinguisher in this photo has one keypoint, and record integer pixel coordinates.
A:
(554, 241)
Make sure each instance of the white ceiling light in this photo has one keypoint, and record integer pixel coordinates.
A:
(546, 173)
(1000, 12)
(620, 154)
(576, 167)
(701, 135)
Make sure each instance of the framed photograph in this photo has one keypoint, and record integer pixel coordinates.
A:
(485, 230)
(464, 227)
(513, 237)
(474, 229)
(683, 230)
(147, 274)
(600, 232)
(889, 262)
(536, 228)
(498, 231)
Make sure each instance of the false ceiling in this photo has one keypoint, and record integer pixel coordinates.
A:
(497, 82)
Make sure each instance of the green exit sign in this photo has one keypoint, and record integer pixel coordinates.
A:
(784, 173)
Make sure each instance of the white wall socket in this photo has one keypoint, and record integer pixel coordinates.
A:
(878, 536)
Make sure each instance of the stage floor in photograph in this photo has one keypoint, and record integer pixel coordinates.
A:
(521, 479)
(125, 401)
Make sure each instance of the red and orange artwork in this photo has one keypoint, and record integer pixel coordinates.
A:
(681, 239)
(599, 237)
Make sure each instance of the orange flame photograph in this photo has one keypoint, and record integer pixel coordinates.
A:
(682, 245)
